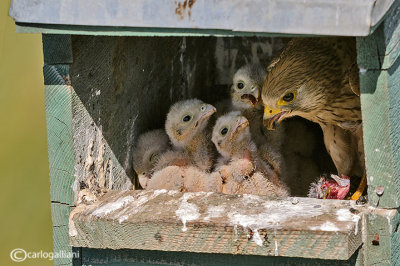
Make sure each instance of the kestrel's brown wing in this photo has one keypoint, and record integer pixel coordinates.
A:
(342, 145)
(354, 79)
(345, 48)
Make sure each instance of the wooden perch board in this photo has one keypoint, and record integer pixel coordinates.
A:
(217, 223)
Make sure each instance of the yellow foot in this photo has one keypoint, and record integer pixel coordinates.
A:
(361, 188)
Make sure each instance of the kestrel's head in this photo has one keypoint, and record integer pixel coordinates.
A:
(146, 152)
(298, 82)
(246, 87)
(186, 119)
(230, 132)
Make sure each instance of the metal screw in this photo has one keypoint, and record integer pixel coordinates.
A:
(375, 241)
(379, 190)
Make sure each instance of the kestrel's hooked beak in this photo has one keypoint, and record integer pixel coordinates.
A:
(272, 117)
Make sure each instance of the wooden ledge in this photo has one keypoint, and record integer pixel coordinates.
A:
(218, 223)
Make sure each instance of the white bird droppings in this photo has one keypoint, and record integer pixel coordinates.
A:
(256, 237)
(327, 226)
(113, 206)
(159, 192)
(187, 211)
(390, 224)
(346, 215)
(214, 212)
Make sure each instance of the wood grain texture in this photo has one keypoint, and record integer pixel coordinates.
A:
(384, 225)
(381, 110)
(138, 31)
(58, 104)
(59, 133)
(57, 49)
(381, 49)
(319, 17)
(217, 223)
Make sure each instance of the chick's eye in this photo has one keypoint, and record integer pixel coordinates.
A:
(240, 85)
(288, 97)
(224, 131)
(186, 118)
(203, 108)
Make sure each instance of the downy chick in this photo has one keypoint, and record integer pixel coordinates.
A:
(246, 97)
(185, 168)
(149, 147)
(174, 171)
(240, 166)
(185, 126)
(289, 148)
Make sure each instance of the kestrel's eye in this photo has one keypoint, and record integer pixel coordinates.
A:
(224, 131)
(287, 98)
(203, 108)
(240, 85)
(186, 118)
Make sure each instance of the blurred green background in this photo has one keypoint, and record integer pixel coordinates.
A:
(24, 176)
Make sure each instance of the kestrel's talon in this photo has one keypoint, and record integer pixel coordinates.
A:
(361, 188)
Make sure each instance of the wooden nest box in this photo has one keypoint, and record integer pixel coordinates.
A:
(113, 68)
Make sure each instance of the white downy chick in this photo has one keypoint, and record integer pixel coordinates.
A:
(149, 147)
(240, 166)
(185, 125)
(246, 97)
(186, 167)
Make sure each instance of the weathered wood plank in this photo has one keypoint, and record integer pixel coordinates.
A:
(135, 31)
(59, 134)
(57, 49)
(60, 214)
(380, 78)
(60, 143)
(217, 223)
(381, 241)
(381, 49)
(324, 17)
(61, 159)
(381, 119)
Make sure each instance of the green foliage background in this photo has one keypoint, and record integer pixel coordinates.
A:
(24, 176)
